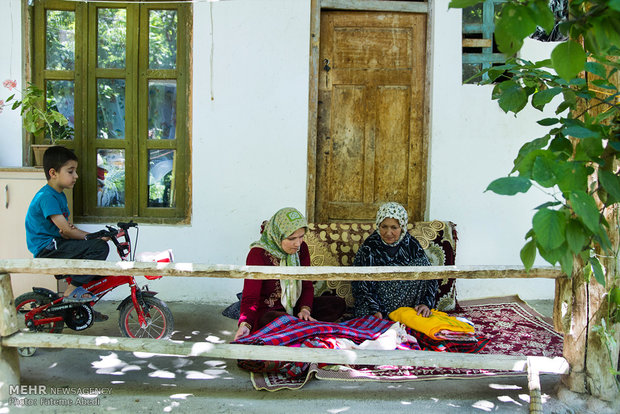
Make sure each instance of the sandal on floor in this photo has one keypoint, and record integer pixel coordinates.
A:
(77, 296)
(99, 317)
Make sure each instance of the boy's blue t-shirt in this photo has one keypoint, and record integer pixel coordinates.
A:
(40, 230)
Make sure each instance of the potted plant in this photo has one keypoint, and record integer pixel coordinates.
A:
(38, 116)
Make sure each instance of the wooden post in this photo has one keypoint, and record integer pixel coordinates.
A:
(9, 360)
(533, 383)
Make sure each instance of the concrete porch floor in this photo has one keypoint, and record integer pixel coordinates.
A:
(145, 383)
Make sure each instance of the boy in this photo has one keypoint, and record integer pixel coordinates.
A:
(48, 231)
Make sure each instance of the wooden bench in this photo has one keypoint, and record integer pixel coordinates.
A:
(11, 338)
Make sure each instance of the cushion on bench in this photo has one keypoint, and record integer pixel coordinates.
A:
(335, 244)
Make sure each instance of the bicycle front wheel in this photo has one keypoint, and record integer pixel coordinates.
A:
(159, 320)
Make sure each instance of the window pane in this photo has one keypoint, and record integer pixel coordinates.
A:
(110, 178)
(162, 109)
(60, 40)
(162, 39)
(111, 35)
(497, 7)
(60, 97)
(161, 178)
(111, 108)
(469, 70)
(473, 14)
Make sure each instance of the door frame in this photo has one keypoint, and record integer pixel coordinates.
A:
(315, 42)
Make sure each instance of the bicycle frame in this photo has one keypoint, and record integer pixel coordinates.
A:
(101, 286)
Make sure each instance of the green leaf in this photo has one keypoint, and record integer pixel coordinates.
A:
(572, 176)
(461, 4)
(614, 4)
(602, 83)
(533, 145)
(577, 82)
(525, 164)
(507, 41)
(588, 149)
(517, 20)
(542, 14)
(509, 185)
(550, 227)
(548, 121)
(551, 256)
(587, 270)
(528, 254)
(542, 172)
(611, 184)
(602, 238)
(566, 261)
(561, 147)
(585, 207)
(575, 236)
(597, 268)
(614, 296)
(548, 204)
(541, 98)
(568, 59)
(512, 97)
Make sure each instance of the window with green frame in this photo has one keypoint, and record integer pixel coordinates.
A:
(479, 48)
(119, 72)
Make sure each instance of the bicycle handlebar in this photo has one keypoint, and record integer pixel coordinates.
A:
(125, 226)
(111, 231)
(101, 233)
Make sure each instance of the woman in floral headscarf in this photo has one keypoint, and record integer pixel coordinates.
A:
(281, 244)
(392, 245)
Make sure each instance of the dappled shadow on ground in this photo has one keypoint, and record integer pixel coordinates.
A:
(144, 382)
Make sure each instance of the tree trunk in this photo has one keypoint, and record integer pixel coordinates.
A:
(580, 307)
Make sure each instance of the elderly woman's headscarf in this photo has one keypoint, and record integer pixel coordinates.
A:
(397, 212)
(284, 223)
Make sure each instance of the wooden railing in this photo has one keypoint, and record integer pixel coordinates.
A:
(11, 338)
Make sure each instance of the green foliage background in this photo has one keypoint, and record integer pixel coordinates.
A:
(576, 161)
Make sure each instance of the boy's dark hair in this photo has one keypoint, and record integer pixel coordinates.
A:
(55, 157)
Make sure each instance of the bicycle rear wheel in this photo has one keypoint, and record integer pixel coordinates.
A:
(24, 304)
(159, 320)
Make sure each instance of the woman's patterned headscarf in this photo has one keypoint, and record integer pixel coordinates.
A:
(397, 212)
(284, 223)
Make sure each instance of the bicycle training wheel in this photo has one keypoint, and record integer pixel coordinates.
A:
(24, 304)
(159, 321)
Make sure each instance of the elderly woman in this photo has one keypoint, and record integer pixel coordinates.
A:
(282, 244)
(392, 245)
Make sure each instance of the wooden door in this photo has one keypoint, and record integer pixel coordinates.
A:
(371, 123)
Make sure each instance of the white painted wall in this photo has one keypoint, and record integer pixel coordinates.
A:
(249, 144)
(10, 68)
(474, 142)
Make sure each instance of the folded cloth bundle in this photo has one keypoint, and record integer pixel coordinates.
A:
(435, 326)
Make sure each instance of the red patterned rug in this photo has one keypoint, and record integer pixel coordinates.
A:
(512, 327)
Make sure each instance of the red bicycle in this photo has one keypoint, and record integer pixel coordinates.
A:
(142, 315)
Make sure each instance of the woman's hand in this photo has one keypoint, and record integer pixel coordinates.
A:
(242, 332)
(378, 315)
(304, 314)
(423, 310)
